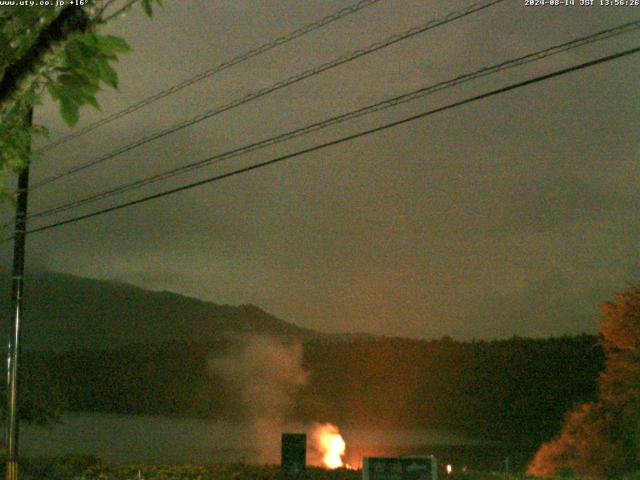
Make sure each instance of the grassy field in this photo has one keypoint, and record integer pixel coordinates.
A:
(91, 468)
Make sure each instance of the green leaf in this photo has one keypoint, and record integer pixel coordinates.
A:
(108, 74)
(88, 39)
(88, 51)
(111, 45)
(70, 89)
(90, 67)
(69, 81)
(54, 91)
(146, 6)
(86, 85)
(73, 55)
(78, 90)
(32, 98)
(93, 101)
(69, 111)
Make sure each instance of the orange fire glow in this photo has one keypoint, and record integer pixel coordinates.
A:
(329, 444)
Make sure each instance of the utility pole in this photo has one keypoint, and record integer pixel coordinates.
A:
(13, 350)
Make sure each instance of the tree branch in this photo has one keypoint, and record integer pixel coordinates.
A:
(107, 4)
(72, 19)
(119, 12)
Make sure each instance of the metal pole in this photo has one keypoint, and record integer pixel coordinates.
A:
(13, 351)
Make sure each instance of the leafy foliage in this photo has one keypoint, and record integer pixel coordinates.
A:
(512, 390)
(600, 439)
(72, 68)
(86, 62)
(19, 29)
(58, 468)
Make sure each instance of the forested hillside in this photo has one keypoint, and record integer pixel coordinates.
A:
(516, 390)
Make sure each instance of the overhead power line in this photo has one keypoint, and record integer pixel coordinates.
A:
(338, 141)
(376, 107)
(213, 71)
(475, 7)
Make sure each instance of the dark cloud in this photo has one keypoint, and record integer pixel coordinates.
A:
(513, 215)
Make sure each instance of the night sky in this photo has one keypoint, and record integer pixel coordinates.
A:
(513, 215)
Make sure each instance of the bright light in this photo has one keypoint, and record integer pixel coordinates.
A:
(330, 444)
(449, 469)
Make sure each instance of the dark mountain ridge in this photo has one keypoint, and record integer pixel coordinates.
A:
(65, 312)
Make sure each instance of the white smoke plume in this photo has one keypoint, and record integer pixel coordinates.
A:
(269, 373)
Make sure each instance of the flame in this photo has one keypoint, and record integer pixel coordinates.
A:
(329, 444)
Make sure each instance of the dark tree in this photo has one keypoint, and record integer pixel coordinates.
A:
(602, 438)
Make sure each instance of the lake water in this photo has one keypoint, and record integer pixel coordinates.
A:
(159, 439)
